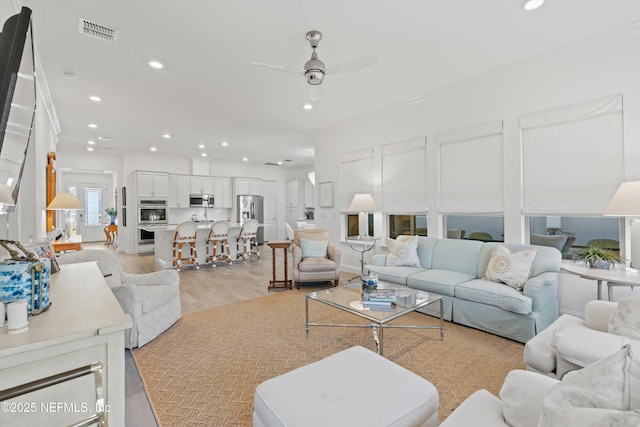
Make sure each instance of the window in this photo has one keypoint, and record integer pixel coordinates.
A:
(581, 232)
(476, 227)
(353, 225)
(411, 225)
(92, 206)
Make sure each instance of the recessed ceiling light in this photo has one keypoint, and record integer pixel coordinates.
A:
(532, 4)
(153, 149)
(307, 106)
(155, 64)
(166, 136)
(104, 138)
(90, 142)
(204, 154)
(245, 159)
(225, 144)
(93, 125)
(200, 145)
(280, 162)
(89, 148)
(95, 98)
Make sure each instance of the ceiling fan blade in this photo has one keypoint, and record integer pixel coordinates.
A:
(352, 65)
(315, 92)
(279, 67)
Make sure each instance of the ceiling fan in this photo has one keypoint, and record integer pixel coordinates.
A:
(314, 69)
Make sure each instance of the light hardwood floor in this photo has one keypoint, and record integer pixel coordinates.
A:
(200, 290)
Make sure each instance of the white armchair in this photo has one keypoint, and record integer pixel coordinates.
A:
(321, 266)
(571, 343)
(152, 299)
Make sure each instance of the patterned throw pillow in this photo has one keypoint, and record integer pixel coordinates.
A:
(625, 319)
(511, 268)
(403, 251)
(597, 395)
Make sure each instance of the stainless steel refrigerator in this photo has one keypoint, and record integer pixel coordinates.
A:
(252, 207)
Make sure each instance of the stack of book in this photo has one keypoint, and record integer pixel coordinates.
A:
(379, 299)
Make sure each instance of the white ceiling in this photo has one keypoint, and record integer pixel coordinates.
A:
(209, 92)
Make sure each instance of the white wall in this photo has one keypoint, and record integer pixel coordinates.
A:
(581, 73)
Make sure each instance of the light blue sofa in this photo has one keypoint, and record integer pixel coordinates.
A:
(454, 268)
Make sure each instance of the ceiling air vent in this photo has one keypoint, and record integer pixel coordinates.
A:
(271, 164)
(98, 31)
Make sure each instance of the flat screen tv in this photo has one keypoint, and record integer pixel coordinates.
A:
(17, 98)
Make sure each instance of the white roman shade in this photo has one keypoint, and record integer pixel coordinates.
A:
(404, 188)
(356, 175)
(573, 158)
(471, 169)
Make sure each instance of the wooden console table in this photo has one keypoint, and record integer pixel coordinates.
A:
(83, 325)
(111, 233)
(71, 244)
(280, 284)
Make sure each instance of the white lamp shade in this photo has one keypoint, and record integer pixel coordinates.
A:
(362, 203)
(5, 195)
(64, 201)
(626, 201)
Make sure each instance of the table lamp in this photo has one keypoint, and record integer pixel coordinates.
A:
(363, 204)
(626, 201)
(65, 202)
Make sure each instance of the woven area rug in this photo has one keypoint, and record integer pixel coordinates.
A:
(204, 370)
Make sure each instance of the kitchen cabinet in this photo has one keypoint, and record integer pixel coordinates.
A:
(222, 193)
(249, 186)
(291, 195)
(152, 184)
(308, 194)
(201, 185)
(180, 188)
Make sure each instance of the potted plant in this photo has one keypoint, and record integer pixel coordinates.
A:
(112, 212)
(597, 257)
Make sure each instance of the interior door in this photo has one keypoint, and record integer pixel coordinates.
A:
(92, 219)
(270, 215)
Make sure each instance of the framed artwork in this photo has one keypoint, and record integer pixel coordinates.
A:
(325, 191)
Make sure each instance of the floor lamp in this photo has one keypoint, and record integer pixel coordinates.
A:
(65, 202)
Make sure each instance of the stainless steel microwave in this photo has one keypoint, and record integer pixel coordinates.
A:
(201, 200)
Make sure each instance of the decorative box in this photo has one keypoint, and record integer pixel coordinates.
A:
(27, 279)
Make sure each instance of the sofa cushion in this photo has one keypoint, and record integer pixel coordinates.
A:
(311, 265)
(393, 274)
(625, 320)
(496, 294)
(403, 251)
(314, 248)
(522, 394)
(594, 396)
(457, 255)
(511, 268)
(442, 282)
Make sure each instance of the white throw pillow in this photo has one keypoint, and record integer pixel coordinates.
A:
(314, 248)
(521, 394)
(511, 268)
(596, 395)
(403, 251)
(625, 319)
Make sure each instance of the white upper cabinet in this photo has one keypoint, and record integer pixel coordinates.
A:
(180, 188)
(249, 186)
(201, 185)
(291, 197)
(222, 192)
(308, 194)
(152, 184)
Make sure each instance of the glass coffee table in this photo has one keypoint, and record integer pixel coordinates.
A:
(349, 298)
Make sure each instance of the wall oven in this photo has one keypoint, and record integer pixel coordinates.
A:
(152, 212)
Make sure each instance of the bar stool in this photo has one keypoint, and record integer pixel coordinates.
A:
(218, 234)
(185, 235)
(247, 240)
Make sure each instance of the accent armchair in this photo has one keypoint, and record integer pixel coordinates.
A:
(571, 343)
(314, 258)
(152, 299)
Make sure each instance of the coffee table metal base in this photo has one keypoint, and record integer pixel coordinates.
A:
(376, 327)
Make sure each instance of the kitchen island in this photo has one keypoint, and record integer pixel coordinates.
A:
(163, 241)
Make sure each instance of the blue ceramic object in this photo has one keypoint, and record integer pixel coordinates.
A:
(15, 284)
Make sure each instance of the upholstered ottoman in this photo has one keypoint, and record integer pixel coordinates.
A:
(354, 387)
